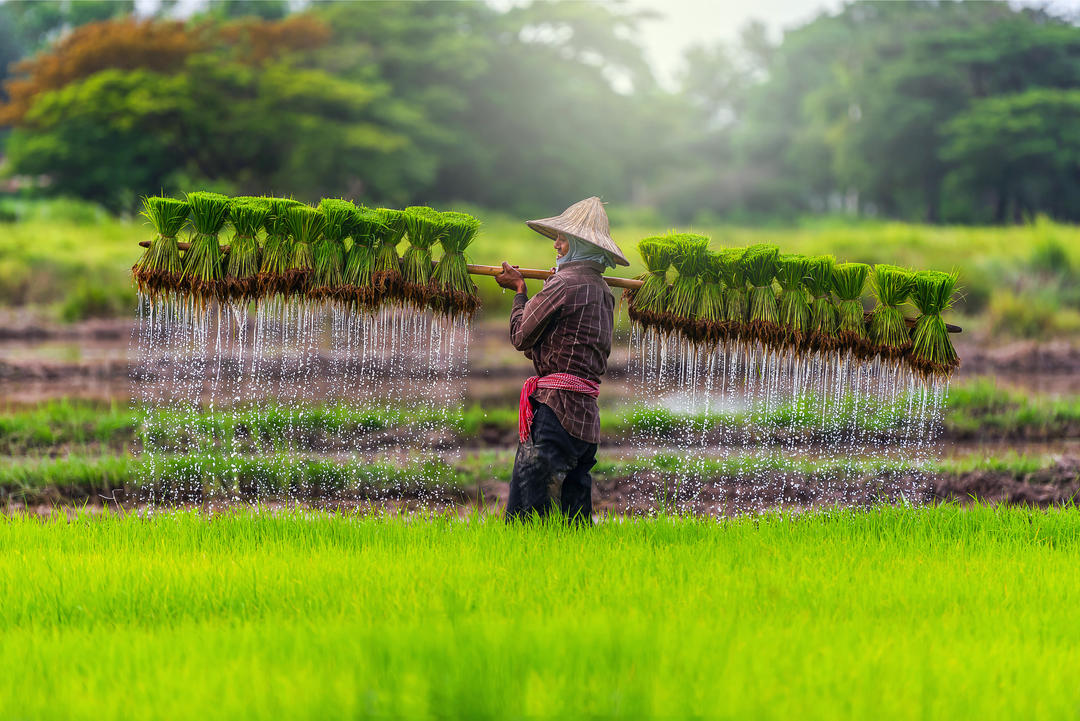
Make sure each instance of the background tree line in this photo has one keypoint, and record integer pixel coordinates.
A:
(936, 111)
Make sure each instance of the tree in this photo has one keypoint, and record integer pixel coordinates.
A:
(1021, 153)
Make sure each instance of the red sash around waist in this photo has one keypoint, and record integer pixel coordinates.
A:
(558, 381)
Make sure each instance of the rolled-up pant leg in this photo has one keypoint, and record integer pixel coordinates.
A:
(549, 458)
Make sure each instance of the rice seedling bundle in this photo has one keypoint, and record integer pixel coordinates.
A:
(386, 273)
(329, 250)
(888, 328)
(202, 263)
(277, 248)
(306, 226)
(733, 275)
(248, 216)
(159, 269)
(793, 305)
(711, 314)
(932, 352)
(648, 303)
(456, 292)
(759, 264)
(365, 227)
(689, 260)
(823, 316)
(425, 227)
(848, 282)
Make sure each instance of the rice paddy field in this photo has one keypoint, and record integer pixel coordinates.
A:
(222, 543)
(893, 613)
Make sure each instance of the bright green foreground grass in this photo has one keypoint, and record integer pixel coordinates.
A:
(938, 613)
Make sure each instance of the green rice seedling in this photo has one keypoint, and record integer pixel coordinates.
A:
(159, 269)
(932, 352)
(793, 305)
(647, 305)
(689, 260)
(386, 274)
(202, 262)
(888, 327)
(733, 275)
(277, 249)
(823, 317)
(759, 264)
(365, 229)
(306, 226)
(848, 282)
(329, 250)
(425, 227)
(248, 217)
(456, 292)
(711, 312)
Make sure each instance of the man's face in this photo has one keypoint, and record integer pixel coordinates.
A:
(562, 245)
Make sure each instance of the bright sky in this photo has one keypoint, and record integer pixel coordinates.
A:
(689, 22)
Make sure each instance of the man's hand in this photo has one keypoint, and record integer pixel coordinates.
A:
(510, 278)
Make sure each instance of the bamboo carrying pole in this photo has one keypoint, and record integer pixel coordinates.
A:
(536, 274)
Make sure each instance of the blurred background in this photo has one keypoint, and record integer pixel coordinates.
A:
(933, 134)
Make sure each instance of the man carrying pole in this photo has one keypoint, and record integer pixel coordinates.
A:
(565, 330)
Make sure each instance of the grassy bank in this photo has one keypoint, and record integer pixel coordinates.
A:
(890, 614)
(1019, 281)
(977, 410)
(74, 477)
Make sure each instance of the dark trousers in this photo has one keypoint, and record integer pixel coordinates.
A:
(551, 471)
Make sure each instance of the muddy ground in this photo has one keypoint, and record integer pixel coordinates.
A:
(90, 360)
(642, 494)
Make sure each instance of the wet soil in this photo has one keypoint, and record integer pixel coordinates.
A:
(642, 494)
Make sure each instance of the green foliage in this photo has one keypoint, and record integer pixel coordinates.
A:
(689, 258)
(389, 234)
(202, 261)
(848, 282)
(425, 227)
(932, 294)
(92, 300)
(451, 274)
(306, 225)
(791, 270)
(656, 252)
(892, 286)
(248, 217)
(277, 251)
(733, 274)
(360, 261)
(167, 216)
(759, 265)
(712, 309)
(329, 250)
(819, 282)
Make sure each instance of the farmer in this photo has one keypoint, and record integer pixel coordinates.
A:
(565, 330)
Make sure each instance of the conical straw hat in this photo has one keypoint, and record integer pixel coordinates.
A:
(584, 220)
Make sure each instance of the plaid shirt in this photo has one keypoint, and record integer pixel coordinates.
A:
(566, 328)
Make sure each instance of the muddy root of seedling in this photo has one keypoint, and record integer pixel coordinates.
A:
(455, 303)
(154, 283)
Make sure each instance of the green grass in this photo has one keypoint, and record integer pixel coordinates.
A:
(975, 409)
(43, 258)
(890, 614)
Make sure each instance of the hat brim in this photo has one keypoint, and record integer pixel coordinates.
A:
(551, 227)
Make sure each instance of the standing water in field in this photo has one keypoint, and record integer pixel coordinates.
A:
(290, 399)
(741, 426)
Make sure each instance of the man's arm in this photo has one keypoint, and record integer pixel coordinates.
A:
(530, 316)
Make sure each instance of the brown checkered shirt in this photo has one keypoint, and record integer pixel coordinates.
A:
(566, 328)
